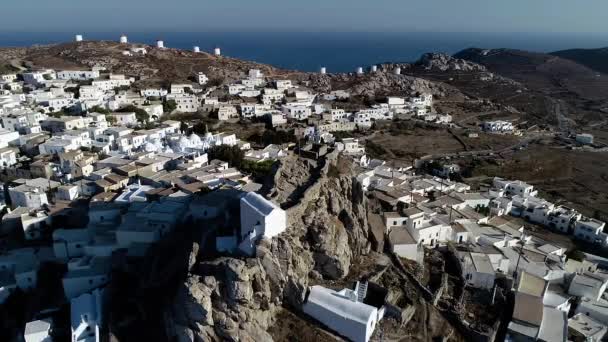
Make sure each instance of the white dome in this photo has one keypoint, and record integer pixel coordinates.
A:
(182, 144)
(150, 147)
(195, 140)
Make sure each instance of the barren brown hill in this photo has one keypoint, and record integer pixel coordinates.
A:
(547, 73)
(158, 65)
(162, 66)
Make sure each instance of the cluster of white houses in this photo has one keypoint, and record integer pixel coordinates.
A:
(126, 218)
(144, 181)
(141, 181)
(423, 211)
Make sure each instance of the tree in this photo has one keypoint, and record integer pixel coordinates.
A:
(200, 128)
(141, 115)
(231, 154)
(215, 82)
(121, 88)
(74, 90)
(183, 127)
(169, 106)
(98, 109)
(111, 119)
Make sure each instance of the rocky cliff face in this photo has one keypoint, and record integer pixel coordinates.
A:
(237, 298)
(444, 62)
(378, 84)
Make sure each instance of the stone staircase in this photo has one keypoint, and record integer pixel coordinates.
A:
(361, 291)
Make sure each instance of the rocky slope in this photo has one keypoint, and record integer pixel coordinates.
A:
(548, 74)
(157, 67)
(445, 62)
(162, 66)
(327, 242)
(238, 298)
(592, 58)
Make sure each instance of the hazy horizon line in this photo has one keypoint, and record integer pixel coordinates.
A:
(287, 31)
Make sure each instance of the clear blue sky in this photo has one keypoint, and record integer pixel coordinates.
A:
(583, 16)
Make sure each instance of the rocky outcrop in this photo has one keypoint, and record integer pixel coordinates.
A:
(445, 62)
(237, 299)
(378, 84)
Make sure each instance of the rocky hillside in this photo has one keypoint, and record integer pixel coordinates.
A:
(542, 72)
(237, 299)
(444, 62)
(158, 66)
(162, 66)
(327, 242)
(596, 59)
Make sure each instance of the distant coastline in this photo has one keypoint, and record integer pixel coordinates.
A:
(339, 52)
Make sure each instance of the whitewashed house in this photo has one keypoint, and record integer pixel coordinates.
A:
(227, 112)
(27, 196)
(587, 328)
(498, 126)
(477, 270)
(77, 75)
(260, 218)
(86, 312)
(590, 230)
(343, 311)
(70, 243)
(297, 112)
(153, 92)
(589, 285)
(404, 245)
(201, 78)
(85, 275)
(125, 119)
(38, 331)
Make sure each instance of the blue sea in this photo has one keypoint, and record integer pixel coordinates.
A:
(339, 52)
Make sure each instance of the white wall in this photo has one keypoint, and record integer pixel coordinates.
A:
(353, 330)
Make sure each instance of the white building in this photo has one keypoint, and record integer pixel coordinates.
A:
(498, 126)
(590, 230)
(86, 312)
(297, 112)
(186, 103)
(8, 157)
(227, 112)
(68, 192)
(352, 146)
(584, 138)
(477, 270)
(404, 245)
(260, 218)
(38, 331)
(201, 78)
(588, 285)
(27, 196)
(587, 328)
(78, 75)
(125, 119)
(70, 243)
(283, 84)
(343, 312)
(513, 188)
(85, 275)
(153, 92)
(363, 120)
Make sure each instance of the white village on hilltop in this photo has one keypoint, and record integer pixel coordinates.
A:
(95, 167)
